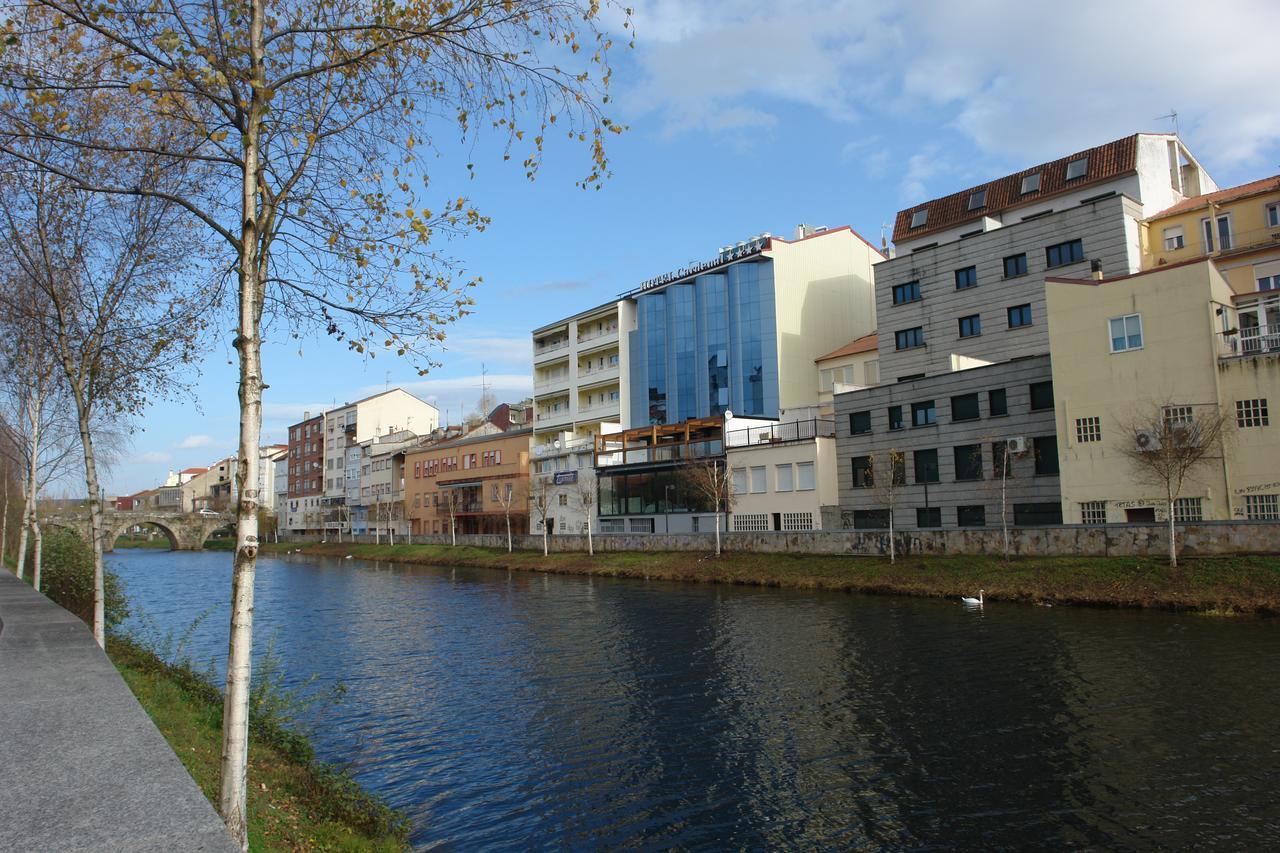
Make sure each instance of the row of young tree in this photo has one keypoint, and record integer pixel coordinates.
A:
(187, 167)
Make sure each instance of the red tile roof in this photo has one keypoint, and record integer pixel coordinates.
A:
(1265, 185)
(866, 343)
(193, 470)
(1105, 163)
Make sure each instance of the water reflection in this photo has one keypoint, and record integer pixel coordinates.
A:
(512, 710)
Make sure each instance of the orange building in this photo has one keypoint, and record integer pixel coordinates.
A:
(475, 481)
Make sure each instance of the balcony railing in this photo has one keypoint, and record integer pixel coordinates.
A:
(781, 433)
(1247, 342)
(645, 453)
(550, 346)
(611, 331)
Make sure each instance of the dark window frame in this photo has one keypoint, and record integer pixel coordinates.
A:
(907, 287)
(1019, 263)
(1064, 254)
(1022, 313)
(856, 420)
(914, 338)
(967, 459)
(1001, 410)
(931, 413)
(917, 458)
(901, 424)
(969, 326)
(964, 400)
(966, 277)
(1038, 389)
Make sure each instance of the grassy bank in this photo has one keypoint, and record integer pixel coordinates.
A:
(295, 803)
(159, 543)
(1246, 584)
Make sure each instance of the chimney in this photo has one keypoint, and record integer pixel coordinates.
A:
(1095, 269)
(306, 416)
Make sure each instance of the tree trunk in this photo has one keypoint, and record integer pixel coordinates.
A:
(95, 514)
(39, 549)
(508, 514)
(20, 567)
(717, 528)
(453, 531)
(544, 537)
(591, 548)
(4, 517)
(1173, 541)
(1004, 500)
(893, 553)
(248, 343)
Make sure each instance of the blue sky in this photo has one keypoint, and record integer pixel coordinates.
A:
(749, 116)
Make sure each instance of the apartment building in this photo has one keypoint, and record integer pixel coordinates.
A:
(470, 484)
(852, 367)
(306, 475)
(564, 470)
(578, 383)
(1195, 335)
(963, 337)
(783, 474)
(379, 509)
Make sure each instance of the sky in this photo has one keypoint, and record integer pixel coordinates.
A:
(745, 116)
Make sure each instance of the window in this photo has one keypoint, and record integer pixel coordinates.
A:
(1030, 183)
(1273, 215)
(804, 477)
(908, 292)
(1088, 429)
(785, 475)
(1015, 265)
(863, 476)
(971, 516)
(1041, 396)
(1177, 416)
(923, 414)
(1126, 332)
(1262, 507)
(1173, 238)
(964, 407)
(970, 326)
(929, 516)
(1252, 413)
(870, 519)
(1061, 254)
(1188, 509)
(1046, 453)
(564, 499)
(1001, 461)
(1037, 514)
(797, 521)
(997, 403)
(978, 199)
(859, 423)
(968, 458)
(1222, 227)
(966, 278)
(755, 523)
(1077, 168)
(1019, 316)
(895, 417)
(739, 481)
(909, 338)
(919, 218)
(1093, 512)
(926, 464)
(758, 480)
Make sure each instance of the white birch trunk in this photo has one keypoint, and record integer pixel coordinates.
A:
(893, 552)
(38, 535)
(1173, 541)
(591, 548)
(95, 516)
(508, 514)
(4, 517)
(20, 567)
(235, 714)
(544, 537)
(718, 528)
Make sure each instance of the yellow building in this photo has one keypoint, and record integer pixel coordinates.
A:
(1172, 337)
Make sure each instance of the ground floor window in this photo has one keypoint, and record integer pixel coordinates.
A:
(751, 522)
(1037, 514)
(1140, 515)
(929, 516)
(797, 521)
(613, 525)
(1188, 509)
(870, 519)
(974, 515)
(1093, 512)
(640, 525)
(1262, 507)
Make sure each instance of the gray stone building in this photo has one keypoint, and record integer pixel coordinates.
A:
(954, 432)
(963, 335)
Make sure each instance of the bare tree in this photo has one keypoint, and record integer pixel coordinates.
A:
(507, 498)
(587, 501)
(306, 122)
(710, 482)
(540, 502)
(888, 477)
(452, 501)
(1166, 443)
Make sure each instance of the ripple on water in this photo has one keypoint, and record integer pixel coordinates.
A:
(515, 711)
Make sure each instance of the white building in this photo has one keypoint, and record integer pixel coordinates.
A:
(578, 380)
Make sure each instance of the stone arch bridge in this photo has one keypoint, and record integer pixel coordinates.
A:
(186, 531)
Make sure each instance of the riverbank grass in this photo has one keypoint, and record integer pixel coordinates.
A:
(1243, 583)
(295, 803)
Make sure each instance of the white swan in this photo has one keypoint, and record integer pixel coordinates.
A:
(348, 557)
(972, 602)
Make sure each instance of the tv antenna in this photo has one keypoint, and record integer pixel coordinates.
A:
(1173, 117)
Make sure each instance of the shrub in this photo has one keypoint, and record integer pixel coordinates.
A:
(66, 577)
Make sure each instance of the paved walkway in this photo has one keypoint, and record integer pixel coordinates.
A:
(82, 767)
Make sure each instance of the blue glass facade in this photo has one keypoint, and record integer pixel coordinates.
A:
(706, 345)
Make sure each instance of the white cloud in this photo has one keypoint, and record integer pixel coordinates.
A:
(1023, 82)
(152, 457)
(193, 442)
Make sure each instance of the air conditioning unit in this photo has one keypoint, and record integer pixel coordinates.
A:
(1017, 444)
(1147, 440)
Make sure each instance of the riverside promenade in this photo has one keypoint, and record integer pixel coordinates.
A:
(82, 767)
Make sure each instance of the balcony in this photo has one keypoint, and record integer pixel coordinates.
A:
(786, 433)
(600, 411)
(1248, 342)
(595, 339)
(608, 373)
(549, 419)
(550, 382)
(577, 444)
(549, 351)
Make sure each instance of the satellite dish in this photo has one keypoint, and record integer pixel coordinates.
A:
(557, 444)
(728, 414)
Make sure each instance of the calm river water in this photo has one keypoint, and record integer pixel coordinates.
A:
(529, 711)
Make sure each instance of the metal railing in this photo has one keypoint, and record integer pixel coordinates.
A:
(612, 330)
(779, 433)
(541, 348)
(1246, 342)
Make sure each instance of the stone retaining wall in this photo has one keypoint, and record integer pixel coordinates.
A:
(1214, 537)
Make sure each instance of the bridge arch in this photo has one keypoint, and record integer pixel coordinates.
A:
(123, 527)
(185, 531)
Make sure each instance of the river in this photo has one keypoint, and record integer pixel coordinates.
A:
(518, 711)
